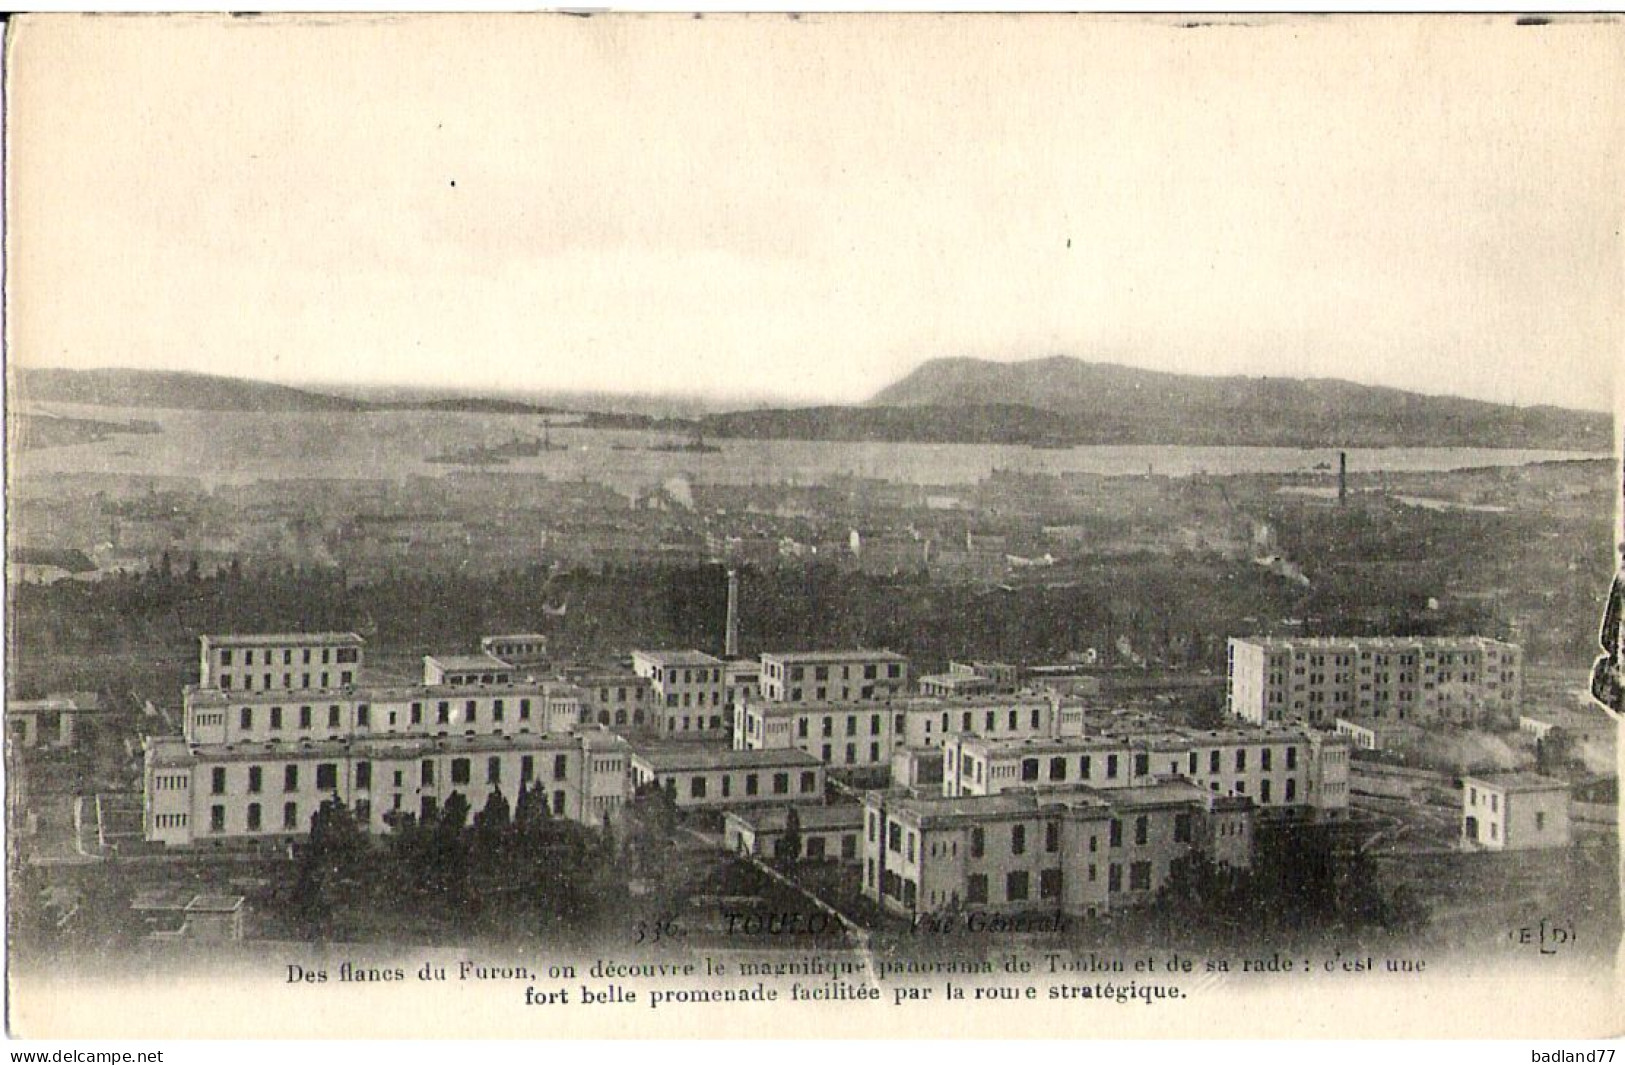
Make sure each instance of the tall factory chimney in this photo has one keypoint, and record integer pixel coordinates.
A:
(1342, 476)
(730, 639)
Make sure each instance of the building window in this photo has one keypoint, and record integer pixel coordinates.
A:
(327, 776)
(304, 717)
(256, 778)
(276, 717)
(1015, 886)
(1142, 764)
(363, 716)
(978, 842)
(1139, 876)
(459, 771)
(332, 717)
(253, 817)
(1213, 761)
(1049, 884)
(781, 783)
(427, 773)
(527, 768)
(1111, 767)
(1142, 830)
(217, 783)
(1540, 821)
(976, 888)
(1116, 833)
(561, 766)
(1114, 877)
(1241, 759)
(1052, 837)
(290, 815)
(290, 778)
(1029, 769)
(1182, 828)
(696, 787)
(245, 718)
(363, 774)
(493, 770)
(752, 786)
(217, 819)
(1057, 768)
(1018, 839)
(809, 782)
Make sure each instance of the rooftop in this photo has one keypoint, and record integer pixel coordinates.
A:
(679, 658)
(1516, 782)
(466, 663)
(379, 693)
(215, 904)
(772, 818)
(280, 639)
(1375, 643)
(383, 748)
(909, 704)
(803, 657)
(677, 756)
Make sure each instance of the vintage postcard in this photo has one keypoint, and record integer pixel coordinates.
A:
(812, 526)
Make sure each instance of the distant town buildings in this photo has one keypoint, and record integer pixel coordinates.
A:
(1460, 679)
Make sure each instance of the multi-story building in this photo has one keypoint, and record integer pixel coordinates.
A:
(688, 692)
(1079, 851)
(1273, 767)
(617, 698)
(833, 677)
(702, 776)
(197, 793)
(1514, 811)
(216, 716)
(1459, 679)
(257, 761)
(280, 661)
(864, 736)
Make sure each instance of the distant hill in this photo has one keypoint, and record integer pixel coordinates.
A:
(1108, 403)
(174, 390)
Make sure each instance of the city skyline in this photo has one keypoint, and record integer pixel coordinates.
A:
(803, 211)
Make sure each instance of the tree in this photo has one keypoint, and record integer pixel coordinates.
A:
(327, 864)
(789, 849)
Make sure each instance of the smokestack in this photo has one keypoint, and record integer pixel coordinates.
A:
(730, 639)
(1342, 476)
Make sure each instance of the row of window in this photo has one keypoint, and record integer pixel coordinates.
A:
(699, 788)
(327, 779)
(268, 656)
(227, 681)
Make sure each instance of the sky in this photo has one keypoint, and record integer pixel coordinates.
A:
(806, 209)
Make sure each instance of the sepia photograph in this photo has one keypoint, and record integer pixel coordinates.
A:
(813, 526)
